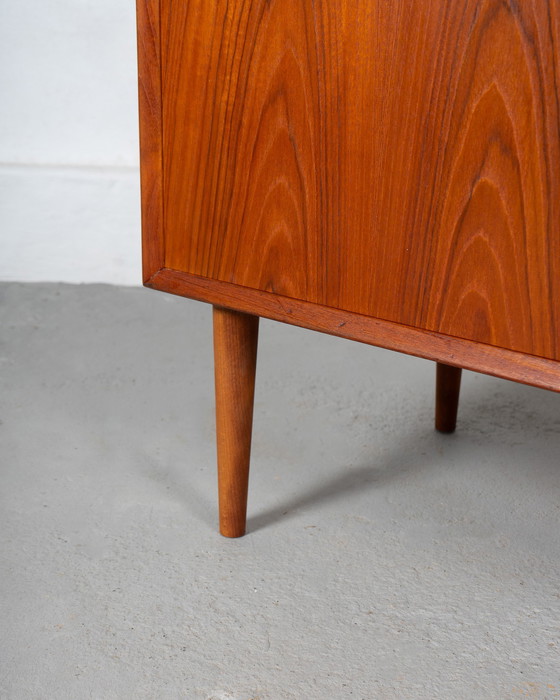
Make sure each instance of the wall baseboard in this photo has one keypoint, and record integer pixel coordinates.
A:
(70, 224)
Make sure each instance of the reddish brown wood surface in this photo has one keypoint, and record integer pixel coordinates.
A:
(400, 160)
(448, 387)
(235, 360)
(480, 357)
(151, 135)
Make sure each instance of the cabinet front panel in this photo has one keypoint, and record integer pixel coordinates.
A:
(395, 159)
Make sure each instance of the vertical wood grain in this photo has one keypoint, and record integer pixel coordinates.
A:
(397, 160)
(448, 387)
(496, 240)
(235, 358)
(246, 153)
(151, 134)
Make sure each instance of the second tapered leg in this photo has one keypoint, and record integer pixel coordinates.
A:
(235, 359)
(448, 385)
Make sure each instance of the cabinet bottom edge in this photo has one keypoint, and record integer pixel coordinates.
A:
(468, 354)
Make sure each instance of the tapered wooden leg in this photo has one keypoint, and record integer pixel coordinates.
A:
(448, 385)
(235, 359)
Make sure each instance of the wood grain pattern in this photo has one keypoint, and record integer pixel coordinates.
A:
(235, 361)
(480, 357)
(396, 160)
(448, 387)
(151, 135)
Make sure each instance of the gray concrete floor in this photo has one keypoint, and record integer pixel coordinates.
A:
(383, 560)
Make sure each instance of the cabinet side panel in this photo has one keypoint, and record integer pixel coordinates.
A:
(151, 147)
(394, 159)
(450, 180)
(243, 175)
(491, 259)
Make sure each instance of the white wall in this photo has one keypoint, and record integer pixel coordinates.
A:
(69, 184)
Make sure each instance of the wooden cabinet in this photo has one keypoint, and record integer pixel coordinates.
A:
(381, 170)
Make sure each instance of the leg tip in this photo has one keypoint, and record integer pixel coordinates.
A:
(231, 533)
(446, 429)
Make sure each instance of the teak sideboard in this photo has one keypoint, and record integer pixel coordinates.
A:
(383, 170)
